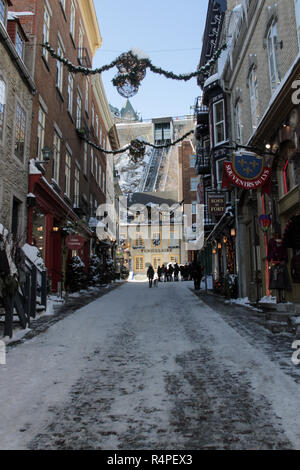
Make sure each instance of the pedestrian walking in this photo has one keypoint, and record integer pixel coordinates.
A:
(176, 272)
(196, 274)
(155, 280)
(150, 275)
(159, 273)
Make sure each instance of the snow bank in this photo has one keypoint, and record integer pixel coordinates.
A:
(34, 255)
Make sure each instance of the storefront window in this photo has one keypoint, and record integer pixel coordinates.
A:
(38, 232)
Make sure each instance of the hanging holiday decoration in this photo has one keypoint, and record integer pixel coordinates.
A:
(265, 222)
(136, 147)
(137, 150)
(132, 69)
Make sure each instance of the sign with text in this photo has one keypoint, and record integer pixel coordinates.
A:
(246, 170)
(216, 204)
(74, 242)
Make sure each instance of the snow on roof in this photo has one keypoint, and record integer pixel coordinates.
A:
(33, 170)
(211, 79)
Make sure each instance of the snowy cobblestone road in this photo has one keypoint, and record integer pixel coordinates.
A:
(151, 369)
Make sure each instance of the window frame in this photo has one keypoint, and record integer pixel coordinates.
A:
(70, 92)
(41, 132)
(56, 157)
(2, 129)
(68, 169)
(46, 30)
(254, 101)
(273, 59)
(194, 179)
(216, 123)
(22, 129)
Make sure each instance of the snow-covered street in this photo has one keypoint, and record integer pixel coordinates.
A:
(151, 369)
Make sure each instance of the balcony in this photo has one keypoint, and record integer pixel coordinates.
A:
(80, 207)
(82, 128)
(83, 57)
(203, 166)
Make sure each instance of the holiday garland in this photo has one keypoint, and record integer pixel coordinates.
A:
(136, 147)
(132, 69)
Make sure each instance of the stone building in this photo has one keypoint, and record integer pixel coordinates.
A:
(151, 232)
(255, 124)
(17, 90)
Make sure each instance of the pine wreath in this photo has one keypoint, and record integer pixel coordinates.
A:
(137, 150)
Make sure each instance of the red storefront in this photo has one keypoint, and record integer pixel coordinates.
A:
(47, 224)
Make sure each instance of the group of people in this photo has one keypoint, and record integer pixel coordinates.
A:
(188, 272)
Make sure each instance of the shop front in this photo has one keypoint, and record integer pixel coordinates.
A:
(50, 221)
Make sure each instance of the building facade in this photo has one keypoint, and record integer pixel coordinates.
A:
(17, 91)
(71, 179)
(251, 95)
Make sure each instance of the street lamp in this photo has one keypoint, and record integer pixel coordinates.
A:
(47, 154)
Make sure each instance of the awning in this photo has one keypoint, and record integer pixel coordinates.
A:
(226, 220)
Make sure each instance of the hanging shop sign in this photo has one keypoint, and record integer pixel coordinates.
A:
(265, 222)
(216, 204)
(74, 242)
(246, 170)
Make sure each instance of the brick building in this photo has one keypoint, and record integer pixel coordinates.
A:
(188, 186)
(16, 97)
(71, 184)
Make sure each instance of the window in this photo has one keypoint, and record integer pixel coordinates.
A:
(92, 161)
(138, 240)
(87, 96)
(156, 240)
(56, 157)
(97, 126)
(100, 176)
(63, 4)
(59, 68)
(77, 183)
(254, 104)
(72, 20)
(174, 259)
(192, 161)
(173, 239)
(156, 261)
(46, 30)
(3, 12)
(272, 45)
(68, 175)
(80, 44)
(19, 44)
(219, 122)
(93, 115)
(287, 177)
(96, 168)
(2, 106)
(70, 93)
(139, 263)
(238, 122)
(78, 111)
(20, 132)
(194, 183)
(85, 156)
(41, 133)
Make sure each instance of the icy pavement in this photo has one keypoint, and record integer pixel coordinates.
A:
(148, 369)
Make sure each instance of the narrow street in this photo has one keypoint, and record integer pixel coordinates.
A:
(150, 369)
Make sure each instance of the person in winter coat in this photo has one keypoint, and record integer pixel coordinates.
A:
(150, 275)
(196, 274)
(164, 273)
(176, 272)
(170, 273)
(159, 273)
